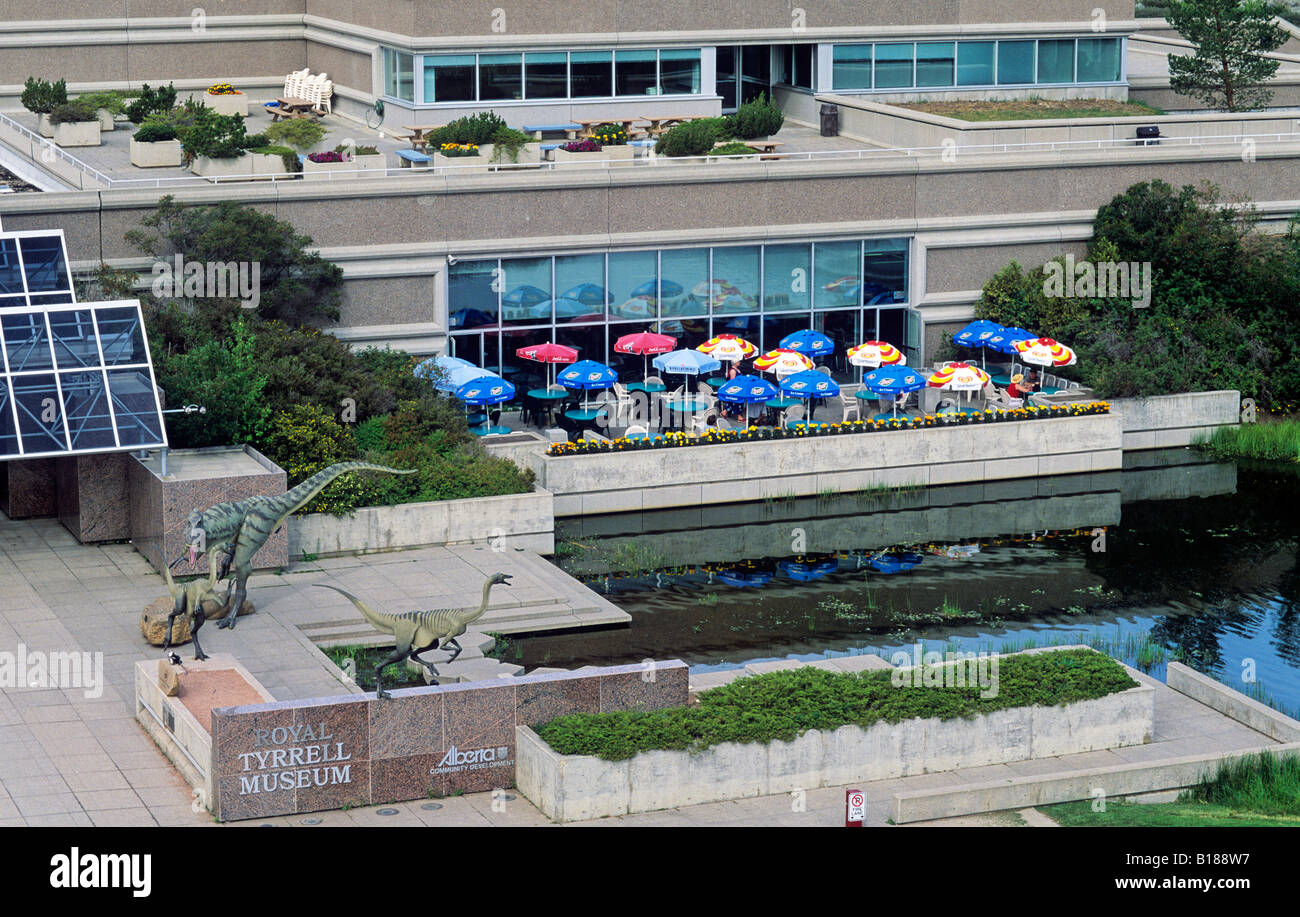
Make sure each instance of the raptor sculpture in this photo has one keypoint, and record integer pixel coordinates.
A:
(188, 601)
(239, 528)
(417, 631)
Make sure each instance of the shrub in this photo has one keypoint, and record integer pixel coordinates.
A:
(304, 438)
(288, 157)
(73, 112)
(298, 133)
(41, 96)
(506, 144)
(759, 117)
(735, 148)
(356, 150)
(228, 378)
(112, 100)
(216, 136)
(153, 133)
(694, 138)
(151, 102)
(477, 129)
(255, 142)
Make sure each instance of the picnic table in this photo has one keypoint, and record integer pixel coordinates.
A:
(583, 415)
(547, 398)
(589, 125)
(764, 146)
(293, 108)
(417, 136)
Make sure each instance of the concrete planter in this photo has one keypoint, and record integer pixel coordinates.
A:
(577, 787)
(236, 104)
(375, 165)
(44, 126)
(460, 165)
(77, 133)
(157, 154)
(1175, 420)
(522, 520)
(529, 154)
(226, 167)
(334, 171)
(611, 155)
(107, 120)
(265, 164)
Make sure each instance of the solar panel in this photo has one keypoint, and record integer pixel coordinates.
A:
(76, 377)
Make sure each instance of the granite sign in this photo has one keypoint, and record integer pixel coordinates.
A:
(301, 756)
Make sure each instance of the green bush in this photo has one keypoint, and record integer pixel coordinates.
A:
(759, 117)
(784, 705)
(215, 136)
(153, 133)
(228, 378)
(694, 138)
(735, 148)
(112, 100)
(298, 133)
(506, 144)
(151, 102)
(256, 142)
(304, 438)
(74, 112)
(41, 96)
(348, 148)
(477, 129)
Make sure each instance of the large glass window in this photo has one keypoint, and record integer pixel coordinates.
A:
(684, 284)
(1100, 60)
(634, 73)
(851, 67)
(546, 75)
(1015, 62)
(884, 271)
(472, 291)
(726, 67)
(590, 74)
(449, 78)
(526, 291)
(500, 76)
(399, 75)
(784, 65)
(837, 274)
(580, 293)
(679, 71)
(736, 276)
(894, 65)
(787, 277)
(975, 63)
(805, 66)
(1056, 61)
(935, 61)
(634, 285)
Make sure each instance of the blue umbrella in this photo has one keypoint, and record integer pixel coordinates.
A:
(589, 294)
(526, 295)
(471, 318)
(457, 376)
(893, 381)
(808, 342)
(895, 563)
(977, 334)
(1004, 341)
(427, 369)
(664, 288)
(743, 578)
(485, 389)
(747, 390)
(686, 363)
(564, 308)
(586, 375)
(810, 384)
(804, 573)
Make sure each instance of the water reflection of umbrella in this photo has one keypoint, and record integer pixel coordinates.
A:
(808, 342)
(524, 296)
(895, 563)
(471, 318)
(722, 296)
(564, 308)
(638, 307)
(805, 572)
(587, 293)
(665, 288)
(744, 578)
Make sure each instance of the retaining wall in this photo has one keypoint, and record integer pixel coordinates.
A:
(1174, 420)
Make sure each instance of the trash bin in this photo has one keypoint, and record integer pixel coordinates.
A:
(830, 120)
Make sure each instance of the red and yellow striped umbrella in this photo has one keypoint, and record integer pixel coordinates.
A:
(875, 354)
(728, 348)
(783, 362)
(1045, 352)
(960, 377)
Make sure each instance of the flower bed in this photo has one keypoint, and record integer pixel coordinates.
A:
(713, 437)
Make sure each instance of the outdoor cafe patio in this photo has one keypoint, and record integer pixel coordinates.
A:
(711, 388)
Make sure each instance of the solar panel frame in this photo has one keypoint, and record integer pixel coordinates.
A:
(64, 359)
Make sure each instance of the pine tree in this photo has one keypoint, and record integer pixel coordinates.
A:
(1231, 38)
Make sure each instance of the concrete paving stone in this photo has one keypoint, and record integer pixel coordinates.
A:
(123, 818)
(136, 760)
(48, 804)
(18, 822)
(8, 808)
(89, 781)
(162, 775)
(54, 713)
(181, 817)
(40, 785)
(61, 820)
(17, 768)
(153, 796)
(97, 800)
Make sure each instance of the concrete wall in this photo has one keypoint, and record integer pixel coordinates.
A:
(576, 787)
(515, 521)
(1175, 420)
(1218, 696)
(739, 472)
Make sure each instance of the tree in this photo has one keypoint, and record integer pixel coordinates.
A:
(1231, 38)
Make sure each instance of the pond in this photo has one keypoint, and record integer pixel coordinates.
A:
(1175, 557)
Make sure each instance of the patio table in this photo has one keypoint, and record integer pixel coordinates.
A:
(292, 108)
(583, 416)
(647, 387)
(417, 138)
(781, 404)
(716, 382)
(487, 430)
(548, 398)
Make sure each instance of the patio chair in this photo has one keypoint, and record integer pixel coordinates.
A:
(703, 388)
(792, 416)
(849, 405)
(293, 83)
(823, 368)
(653, 380)
(731, 426)
(700, 422)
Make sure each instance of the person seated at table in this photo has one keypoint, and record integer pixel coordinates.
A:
(1019, 388)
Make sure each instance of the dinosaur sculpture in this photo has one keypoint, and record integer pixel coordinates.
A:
(188, 600)
(239, 528)
(417, 631)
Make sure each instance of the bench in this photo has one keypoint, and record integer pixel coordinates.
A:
(410, 157)
(570, 129)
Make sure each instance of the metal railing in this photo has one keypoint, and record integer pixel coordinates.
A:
(948, 152)
(50, 149)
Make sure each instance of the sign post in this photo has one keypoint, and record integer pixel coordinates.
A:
(855, 809)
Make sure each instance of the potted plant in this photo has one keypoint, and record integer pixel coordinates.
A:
(40, 97)
(154, 102)
(732, 152)
(110, 104)
(155, 145)
(298, 133)
(367, 158)
(512, 146)
(578, 151)
(214, 144)
(76, 123)
(467, 157)
(329, 164)
(225, 99)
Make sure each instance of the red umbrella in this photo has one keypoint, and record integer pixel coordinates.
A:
(548, 353)
(645, 343)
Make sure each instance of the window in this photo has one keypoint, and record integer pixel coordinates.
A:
(975, 63)
(546, 75)
(526, 291)
(851, 67)
(580, 293)
(684, 284)
(784, 65)
(727, 74)
(805, 66)
(449, 78)
(787, 277)
(471, 294)
(894, 65)
(1056, 61)
(934, 63)
(1015, 62)
(679, 71)
(1100, 60)
(399, 75)
(634, 73)
(837, 274)
(634, 285)
(590, 74)
(734, 287)
(500, 76)
(884, 271)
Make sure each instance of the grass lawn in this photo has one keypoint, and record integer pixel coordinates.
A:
(1163, 815)
(1033, 109)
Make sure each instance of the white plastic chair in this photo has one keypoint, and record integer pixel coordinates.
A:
(849, 404)
(791, 415)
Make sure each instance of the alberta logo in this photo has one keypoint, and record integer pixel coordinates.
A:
(456, 760)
